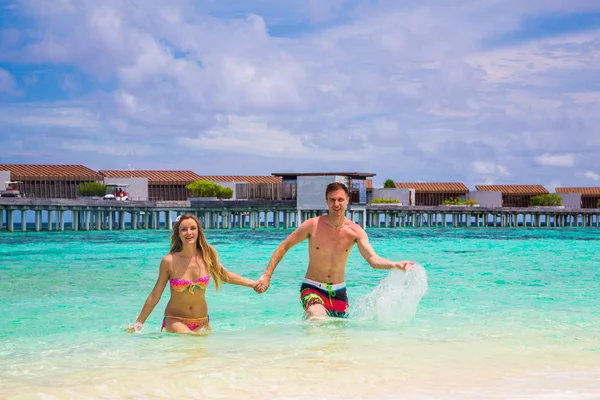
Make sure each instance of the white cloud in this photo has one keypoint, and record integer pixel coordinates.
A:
(488, 173)
(527, 63)
(52, 116)
(253, 135)
(482, 167)
(116, 149)
(552, 185)
(323, 10)
(403, 90)
(7, 83)
(592, 175)
(556, 160)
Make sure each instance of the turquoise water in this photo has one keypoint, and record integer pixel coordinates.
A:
(506, 314)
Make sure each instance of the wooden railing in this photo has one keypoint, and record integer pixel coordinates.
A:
(265, 191)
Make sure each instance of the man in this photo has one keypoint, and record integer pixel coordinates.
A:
(330, 240)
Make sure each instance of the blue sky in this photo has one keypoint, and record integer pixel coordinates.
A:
(471, 91)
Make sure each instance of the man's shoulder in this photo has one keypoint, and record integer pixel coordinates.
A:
(309, 225)
(356, 228)
(313, 220)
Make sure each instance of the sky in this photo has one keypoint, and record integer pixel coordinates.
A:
(476, 91)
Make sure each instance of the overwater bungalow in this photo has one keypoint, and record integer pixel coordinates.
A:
(590, 196)
(255, 187)
(311, 186)
(162, 185)
(284, 200)
(514, 195)
(43, 181)
(434, 193)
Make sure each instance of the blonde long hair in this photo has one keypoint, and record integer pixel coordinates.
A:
(208, 253)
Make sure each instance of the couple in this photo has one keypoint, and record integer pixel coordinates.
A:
(192, 263)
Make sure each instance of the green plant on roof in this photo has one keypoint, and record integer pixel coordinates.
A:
(389, 184)
(226, 193)
(451, 201)
(91, 189)
(546, 200)
(380, 200)
(456, 201)
(204, 188)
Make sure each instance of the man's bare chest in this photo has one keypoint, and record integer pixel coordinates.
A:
(335, 242)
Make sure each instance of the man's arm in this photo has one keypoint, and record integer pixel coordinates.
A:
(374, 260)
(299, 235)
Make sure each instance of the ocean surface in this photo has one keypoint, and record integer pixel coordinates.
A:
(489, 314)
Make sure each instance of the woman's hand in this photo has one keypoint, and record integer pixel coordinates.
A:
(137, 327)
(262, 284)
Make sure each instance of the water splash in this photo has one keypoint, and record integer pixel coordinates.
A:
(396, 298)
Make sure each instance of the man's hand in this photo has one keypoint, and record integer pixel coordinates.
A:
(262, 284)
(404, 265)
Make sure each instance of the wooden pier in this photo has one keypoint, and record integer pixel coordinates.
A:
(109, 215)
(468, 216)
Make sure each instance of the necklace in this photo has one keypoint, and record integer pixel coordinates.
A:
(334, 226)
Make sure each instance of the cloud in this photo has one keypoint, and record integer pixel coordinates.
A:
(556, 160)
(120, 150)
(54, 116)
(253, 135)
(592, 175)
(7, 83)
(488, 173)
(411, 90)
(482, 167)
(320, 11)
(530, 63)
(552, 185)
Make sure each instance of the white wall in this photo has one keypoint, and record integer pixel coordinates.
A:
(4, 176)
(311, 191)
(570, 200)
(137, 189)
(389, 193)
(486, 199)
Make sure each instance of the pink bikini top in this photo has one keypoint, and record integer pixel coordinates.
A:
(180, 285)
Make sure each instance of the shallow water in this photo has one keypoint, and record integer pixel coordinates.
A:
(494, 314)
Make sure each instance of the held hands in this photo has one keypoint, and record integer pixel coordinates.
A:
(262, 284)
(404, 265)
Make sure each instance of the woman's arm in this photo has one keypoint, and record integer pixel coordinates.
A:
(236, 279)
(154, 296)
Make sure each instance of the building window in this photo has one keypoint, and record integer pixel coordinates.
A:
(358, 191)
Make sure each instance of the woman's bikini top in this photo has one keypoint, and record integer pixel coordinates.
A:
(179, 285)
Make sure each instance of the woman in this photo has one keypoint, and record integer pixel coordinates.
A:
(189, 266)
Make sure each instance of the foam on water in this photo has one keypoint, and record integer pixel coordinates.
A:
(396, 298)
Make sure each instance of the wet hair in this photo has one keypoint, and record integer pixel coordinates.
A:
(333, 186)
(208, 252)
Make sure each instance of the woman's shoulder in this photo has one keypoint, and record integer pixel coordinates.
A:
(167, 259)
